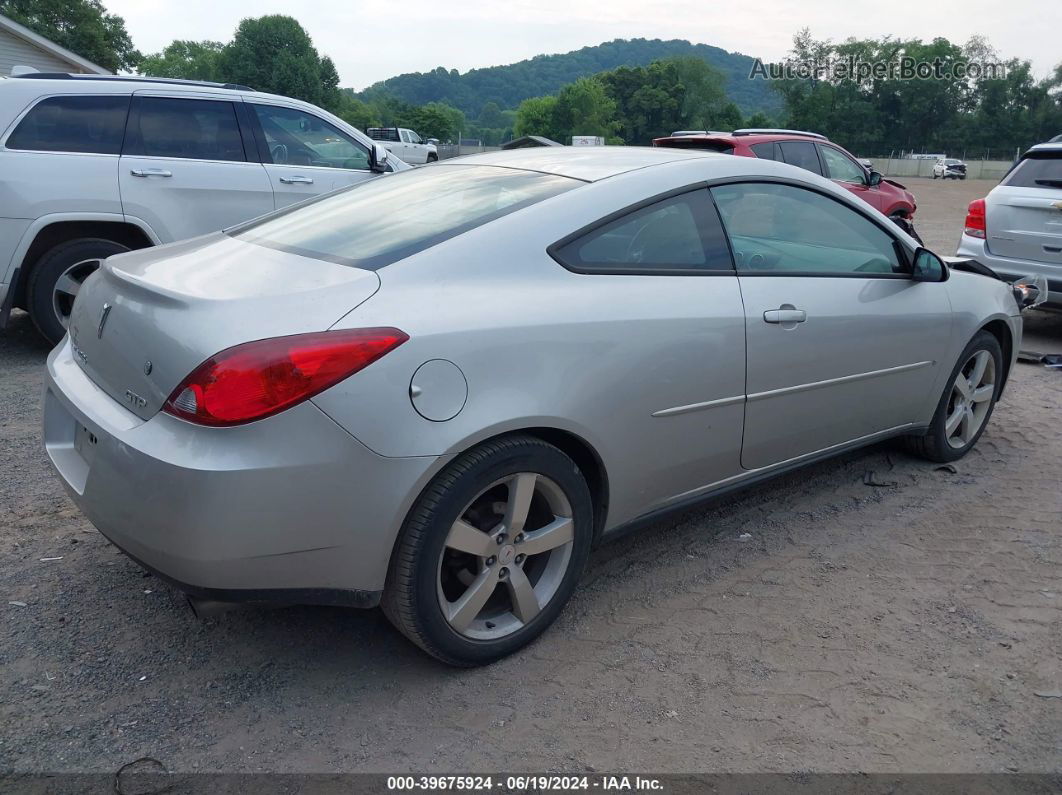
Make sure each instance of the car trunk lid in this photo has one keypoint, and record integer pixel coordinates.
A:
(146, 319)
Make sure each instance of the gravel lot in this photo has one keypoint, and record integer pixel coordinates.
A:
(903, 627)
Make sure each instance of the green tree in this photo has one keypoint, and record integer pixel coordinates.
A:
(648, 100)
(82, 26)
(584, 108)
(703, 96)
(355, 112)
(433, 120)
(274, 53)
(186, 60)
(535, 117)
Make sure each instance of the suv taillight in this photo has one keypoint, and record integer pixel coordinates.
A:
(975, 219)
(257, 379)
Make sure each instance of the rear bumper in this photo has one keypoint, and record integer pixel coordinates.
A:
(288, 509)
(1012, 269)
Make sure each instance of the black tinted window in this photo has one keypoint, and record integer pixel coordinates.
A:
(73, 124)
(197, 129)
(802, 154)
(679, 233)
(1037, 172)
(766, 151)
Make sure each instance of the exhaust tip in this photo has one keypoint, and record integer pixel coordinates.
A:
(208, 608)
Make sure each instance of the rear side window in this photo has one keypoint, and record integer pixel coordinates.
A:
(765, 151)
(1037, 172)
(801, 154)
(382, 221)
(677, 234)
(84, 124)
(196, 129)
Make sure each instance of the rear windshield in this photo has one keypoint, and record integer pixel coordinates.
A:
(389, 218)
(1037, 171)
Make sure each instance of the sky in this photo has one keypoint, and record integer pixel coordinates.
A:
(371, 41)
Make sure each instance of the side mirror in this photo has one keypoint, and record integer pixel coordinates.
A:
(874, 179)
(928, 267)
(378, 156)
(1030, 291)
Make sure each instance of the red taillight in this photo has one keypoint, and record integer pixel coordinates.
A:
(975, 219)
(254, 380)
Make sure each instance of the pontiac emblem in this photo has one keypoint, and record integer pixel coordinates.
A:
(103, 320)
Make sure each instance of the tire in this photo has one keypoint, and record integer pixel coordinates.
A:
(940, 445)
(432, 158)
(429, 577)
(49, 302)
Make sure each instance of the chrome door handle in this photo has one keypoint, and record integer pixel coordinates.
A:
(785, 316)
(297, 180)
(151, 172)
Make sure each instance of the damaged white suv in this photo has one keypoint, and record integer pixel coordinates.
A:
(91, 166)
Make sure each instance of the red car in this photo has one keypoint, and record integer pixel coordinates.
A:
(811, 151)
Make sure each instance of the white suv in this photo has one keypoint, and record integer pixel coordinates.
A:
(91, 166)
(1017, 228)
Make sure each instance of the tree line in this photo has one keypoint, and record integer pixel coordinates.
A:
(872, 114)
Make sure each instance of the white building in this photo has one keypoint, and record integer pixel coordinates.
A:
(20, 46)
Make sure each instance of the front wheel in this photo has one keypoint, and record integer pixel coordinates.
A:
(432, 158)
(966, 404)
(491, 552)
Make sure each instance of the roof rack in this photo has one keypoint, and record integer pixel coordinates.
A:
(132, 79)
(778, 131)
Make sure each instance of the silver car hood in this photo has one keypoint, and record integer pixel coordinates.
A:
(146, 319)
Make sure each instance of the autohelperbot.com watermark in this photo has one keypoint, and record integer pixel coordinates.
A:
(903, 67)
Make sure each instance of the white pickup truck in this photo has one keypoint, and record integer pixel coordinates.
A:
(406, 144)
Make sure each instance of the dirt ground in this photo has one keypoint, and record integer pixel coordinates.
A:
(909, 626)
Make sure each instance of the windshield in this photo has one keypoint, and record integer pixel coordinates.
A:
(389, 218)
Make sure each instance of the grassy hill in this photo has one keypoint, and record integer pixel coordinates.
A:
(544, 74)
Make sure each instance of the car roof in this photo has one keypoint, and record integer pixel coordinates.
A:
(588, 163)
(1050, 146)
(38, 83)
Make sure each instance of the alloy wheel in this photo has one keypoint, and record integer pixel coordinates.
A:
(67, 286)
(970, 399)
(505, 556)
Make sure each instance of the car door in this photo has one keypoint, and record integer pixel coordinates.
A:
(417, 150)
(665, 271)
(849, 175)
(185, 170)
(304, 154)
(841, 342)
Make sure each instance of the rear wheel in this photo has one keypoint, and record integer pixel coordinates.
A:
(491, 552)
(57, 277)
(966, 404)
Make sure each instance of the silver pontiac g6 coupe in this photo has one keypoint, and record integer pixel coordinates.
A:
(437, 391)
